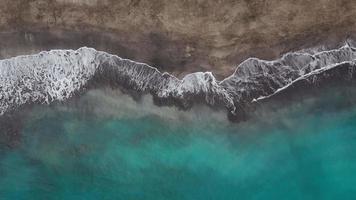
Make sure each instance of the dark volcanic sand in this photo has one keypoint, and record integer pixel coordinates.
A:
(176, 36)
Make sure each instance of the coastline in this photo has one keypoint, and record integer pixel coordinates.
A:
(58, 75)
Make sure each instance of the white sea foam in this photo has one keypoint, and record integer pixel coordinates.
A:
(58, 74)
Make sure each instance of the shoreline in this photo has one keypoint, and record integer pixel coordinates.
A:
(252, 81)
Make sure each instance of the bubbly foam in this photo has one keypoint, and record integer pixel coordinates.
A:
(58, 74)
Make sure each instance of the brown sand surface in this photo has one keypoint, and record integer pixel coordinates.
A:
(177, 36)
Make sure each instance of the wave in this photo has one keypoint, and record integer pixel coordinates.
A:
(57, 75)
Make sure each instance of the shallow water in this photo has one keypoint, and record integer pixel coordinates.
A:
(107, 146)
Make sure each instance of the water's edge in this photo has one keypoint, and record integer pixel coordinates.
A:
(58, 75)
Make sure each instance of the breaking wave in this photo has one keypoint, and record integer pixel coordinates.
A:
(57, 75)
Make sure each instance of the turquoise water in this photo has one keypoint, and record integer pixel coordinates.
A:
(106, 146)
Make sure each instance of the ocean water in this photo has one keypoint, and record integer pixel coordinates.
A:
(105, 145)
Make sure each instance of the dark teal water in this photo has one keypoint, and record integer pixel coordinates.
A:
(105, 146)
